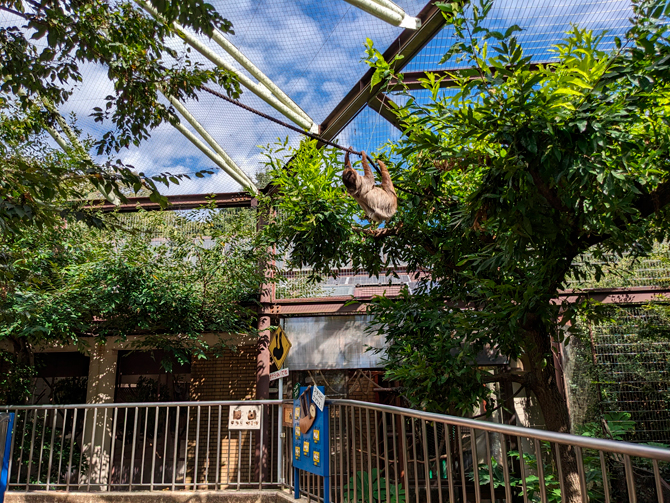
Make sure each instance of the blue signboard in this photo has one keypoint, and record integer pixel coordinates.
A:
(310, 438)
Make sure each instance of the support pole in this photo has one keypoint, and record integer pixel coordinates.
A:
(211, 154)
(227, 46)
(258, 89)
(231, 165)
(383, 10)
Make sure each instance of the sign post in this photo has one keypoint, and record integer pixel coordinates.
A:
(6, 428)
(311, 439)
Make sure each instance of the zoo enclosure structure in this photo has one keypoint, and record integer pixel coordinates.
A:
(375, 451)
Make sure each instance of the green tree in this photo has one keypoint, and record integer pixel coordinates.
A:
(166, 279)
(502, 184)
(41, 60)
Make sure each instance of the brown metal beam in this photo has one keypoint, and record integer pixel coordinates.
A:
(411, 80)
(184, 202)
(408, 44)
(385, 107)
(345, 306)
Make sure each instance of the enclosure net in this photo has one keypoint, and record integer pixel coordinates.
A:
(313, 51)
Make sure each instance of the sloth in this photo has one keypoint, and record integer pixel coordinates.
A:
(379, 203)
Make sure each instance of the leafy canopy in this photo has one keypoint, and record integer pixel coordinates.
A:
(44, 49)
(503, 181)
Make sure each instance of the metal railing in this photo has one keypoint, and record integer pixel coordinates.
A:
(378, 453)
(140, 446)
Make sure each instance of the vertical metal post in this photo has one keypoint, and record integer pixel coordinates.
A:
(51, 448)
(176, 449)
(426, 459)
(260, 472)
(153, 459)
(218, 453)
(132, 450)
(280, 440)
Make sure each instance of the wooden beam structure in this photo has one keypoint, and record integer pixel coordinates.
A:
(183, 202)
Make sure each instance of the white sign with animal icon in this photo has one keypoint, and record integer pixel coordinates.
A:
(244, 417)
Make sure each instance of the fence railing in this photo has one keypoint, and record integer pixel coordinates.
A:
(377, 453)
(139, 447)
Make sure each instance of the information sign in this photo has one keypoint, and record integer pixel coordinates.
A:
(319, 398)
(244, 417)
(311, 438)
(279, 346)
(278, 375)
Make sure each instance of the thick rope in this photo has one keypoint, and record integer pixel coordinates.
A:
(289, 126)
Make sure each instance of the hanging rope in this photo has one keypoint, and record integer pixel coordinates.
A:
(289, 126)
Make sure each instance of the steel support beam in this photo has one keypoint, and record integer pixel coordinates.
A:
(412, 80)
(408, 44)
(388, 12)
(186, 202)
(385, 106)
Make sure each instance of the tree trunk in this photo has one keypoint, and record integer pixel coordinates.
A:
(541, 380)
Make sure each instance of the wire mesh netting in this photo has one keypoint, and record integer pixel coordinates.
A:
(313, 51)
(633, 371)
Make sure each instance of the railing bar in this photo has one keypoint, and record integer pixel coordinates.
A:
(416, 466)
(123, 443)
(11, 449)
(188, 424)
(545, 435)
(69, 464)
(396, 460)
(369, 435)
(559, 467)
(503, 448)
(51, 449)
(376, 425)
(606, 484)
(197, 450)
(522, 467)
(450, 473)
(113, 447)
(490, 465)
(144, 443)
(462, 464)
(153, 443)
(62, 447)
(132, 451)
(341, 445)
(165, 443)
(175, 448)
(83, 447)
(23, 441)
(260, 460)
(657, 479)
(540, 471)
(475, 464)
(250, 434)
(630, 479)
(209, 428)
(438, 461)
(580, 470)
(387, 473)
(218, 452)
(92, 448)
(239, 458)
(44, 429)
(345, 442)
(353, 453)
(229, 443)
(426, 459)
(360, 439)
(103, 434)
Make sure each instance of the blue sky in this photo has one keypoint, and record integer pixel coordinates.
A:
(312, 49)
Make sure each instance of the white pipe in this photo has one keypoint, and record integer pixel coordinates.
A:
(208, 138)
(258, 89)
(390, 5)
(59, 139)
(218, 160)
(227, 46)
(390, 15)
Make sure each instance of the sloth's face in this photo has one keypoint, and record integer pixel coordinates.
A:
(351, 179)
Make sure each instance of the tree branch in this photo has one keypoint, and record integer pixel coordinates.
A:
(548, 194)
(379, 233)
